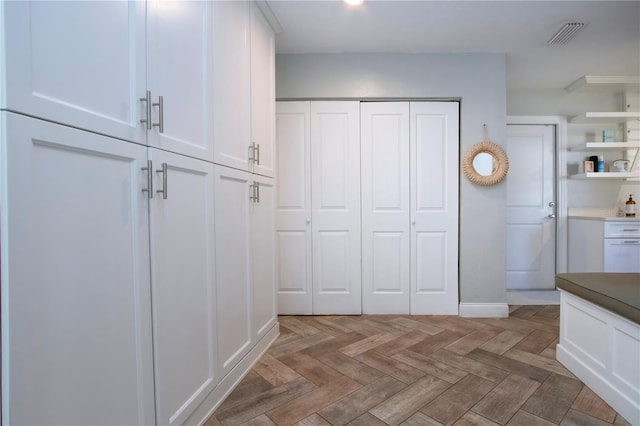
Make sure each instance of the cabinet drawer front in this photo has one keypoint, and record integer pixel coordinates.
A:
(622, 229)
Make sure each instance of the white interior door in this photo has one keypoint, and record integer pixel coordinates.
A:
(531, 231)
(293, 208)
(434, 134)
(335, 217)
(385, 207)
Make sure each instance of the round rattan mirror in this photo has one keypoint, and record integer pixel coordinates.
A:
(485, 163)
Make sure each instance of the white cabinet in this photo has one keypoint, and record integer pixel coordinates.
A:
(410, 207)
(244, 254)
(180, 77)
(183, 283)
(85, 68)
(244, 109)
(138, 71)
(76, 311)
(318, 208)
(599, 245)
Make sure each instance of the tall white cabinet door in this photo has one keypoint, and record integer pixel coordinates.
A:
(233, 265)
(183, 283)
(180, 70)
(293, 209)
(335, 192)
(434, 207)
(76, 320)
(263, 92)
(263, 257)
(76, 63)
(232, 83)
(385, 207)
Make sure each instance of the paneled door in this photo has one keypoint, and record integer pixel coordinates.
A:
(335, 207)
(183, 283)
(531, 225)
(385, 207)
(434, 153)
(293, 208)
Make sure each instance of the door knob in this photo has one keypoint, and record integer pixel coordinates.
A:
(552, 204)
(551, 216)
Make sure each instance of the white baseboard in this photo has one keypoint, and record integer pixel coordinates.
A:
(484, 310)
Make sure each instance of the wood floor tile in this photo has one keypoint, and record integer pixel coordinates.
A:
(274, 371)
(506, 398)
(510, 365)
(522, 418)
(390, 366)
(351, 368)
(260, 403)
(473, 419)
(435, 368)
(381, 370)
(553, 399)
(305, 405)
(458, 399)
(590, 403)
(503, 341)
(471, 341)
(359, 402)
(469, 365)
(405, 403)
(417, 325)
(536, 342)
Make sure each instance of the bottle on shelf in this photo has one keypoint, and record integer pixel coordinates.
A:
(600, 163)
(630, 207)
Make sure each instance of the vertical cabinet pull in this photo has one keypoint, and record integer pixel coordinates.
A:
(147, 101)
(254, 153)
(160, 123)
(257, 185)
(163, 191)
(254, 192)
(257, 148)
(149, 170)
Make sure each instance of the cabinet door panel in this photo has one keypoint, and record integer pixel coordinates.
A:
(263, 273)
(233, 260)
(183, 285)
(622, 255)
(232, 80)
(76, 320)
(335, 192)
(385, 207)
(85, 68)
(434, 207)
(293, 208)
(263, 93)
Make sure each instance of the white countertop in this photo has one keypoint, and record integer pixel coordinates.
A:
(607, 218)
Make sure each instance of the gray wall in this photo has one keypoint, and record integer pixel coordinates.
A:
(479, 81)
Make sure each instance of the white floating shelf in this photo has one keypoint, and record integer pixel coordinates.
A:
(605, 117)
(601, 82)
(602, 146)
(606, 175)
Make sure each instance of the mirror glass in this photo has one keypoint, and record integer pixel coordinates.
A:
(484, 163)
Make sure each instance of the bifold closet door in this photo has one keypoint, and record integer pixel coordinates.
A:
(434, 153)
(385, 207)
(293, 208)
(335, 207)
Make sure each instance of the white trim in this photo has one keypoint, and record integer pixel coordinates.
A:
(560, 123)
(484, 310)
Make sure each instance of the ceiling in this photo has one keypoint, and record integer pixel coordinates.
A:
(608, 45)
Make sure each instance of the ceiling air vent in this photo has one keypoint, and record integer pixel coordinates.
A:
(566, 33)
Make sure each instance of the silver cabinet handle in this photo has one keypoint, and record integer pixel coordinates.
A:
(257, 191)
(160, 123)
(257, 148)
(163, 191)
(254, 153)
(252, 192)
(147, 101)
(149, 170)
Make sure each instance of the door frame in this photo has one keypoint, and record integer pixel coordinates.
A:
(560, 177)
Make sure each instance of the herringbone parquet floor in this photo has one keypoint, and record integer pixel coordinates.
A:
(415, 370)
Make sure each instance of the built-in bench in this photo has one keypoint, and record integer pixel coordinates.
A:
(600, 335)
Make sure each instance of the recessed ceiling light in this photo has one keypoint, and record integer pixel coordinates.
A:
(353, 2)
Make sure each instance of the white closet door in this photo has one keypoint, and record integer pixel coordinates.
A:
(434, 207)
(385, 207)
(293, 208)
(335, 192)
